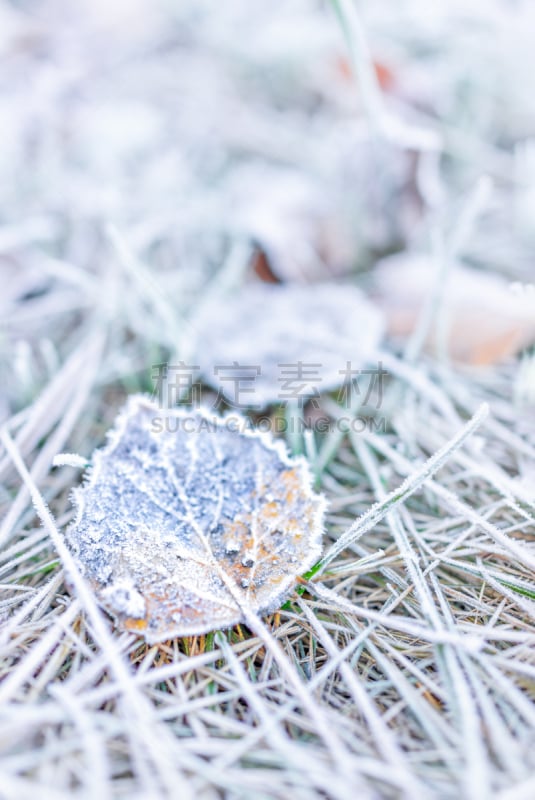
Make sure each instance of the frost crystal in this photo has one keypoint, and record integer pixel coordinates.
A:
(322, 327)
(185, 521)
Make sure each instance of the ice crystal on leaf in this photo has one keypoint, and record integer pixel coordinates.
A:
(188, 519)
(322, 327)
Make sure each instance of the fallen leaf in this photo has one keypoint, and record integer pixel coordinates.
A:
(186, 519)
(485, 321)
(301, 231)
(276, 327)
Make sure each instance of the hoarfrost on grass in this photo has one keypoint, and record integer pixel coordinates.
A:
(192, 127)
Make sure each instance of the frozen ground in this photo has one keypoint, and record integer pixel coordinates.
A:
(149, 153)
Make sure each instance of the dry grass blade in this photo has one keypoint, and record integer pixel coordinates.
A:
(408, 487)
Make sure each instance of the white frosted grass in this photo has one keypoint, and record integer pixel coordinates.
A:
(509, 544)
(135, 705)
(383, 121)
(408, 487)
(160, 147)
(78, 400)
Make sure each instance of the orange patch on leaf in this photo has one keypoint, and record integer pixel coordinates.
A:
(132, 624)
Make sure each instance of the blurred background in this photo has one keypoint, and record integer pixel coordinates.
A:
(167, 169)
(154, 153)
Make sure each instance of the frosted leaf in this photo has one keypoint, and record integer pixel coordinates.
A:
(484, 319)
(322, 326)
(187, 518)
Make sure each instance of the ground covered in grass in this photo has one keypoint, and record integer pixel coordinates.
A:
(156, 158)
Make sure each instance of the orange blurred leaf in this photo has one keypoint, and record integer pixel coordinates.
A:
(484, 320)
